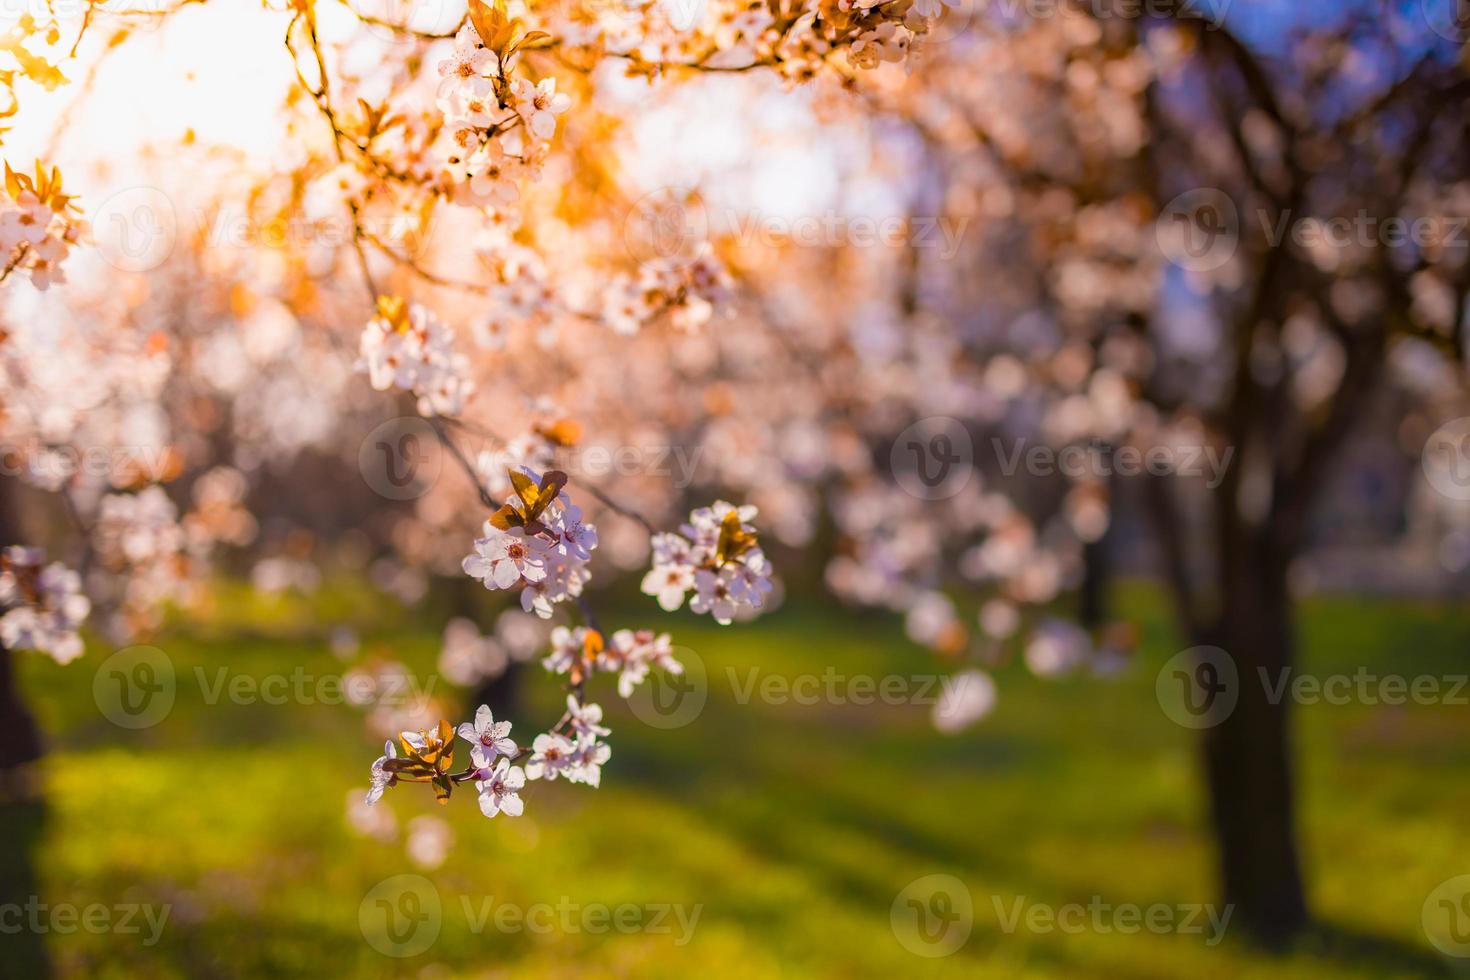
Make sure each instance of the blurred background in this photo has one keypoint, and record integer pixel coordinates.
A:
(1098, 373)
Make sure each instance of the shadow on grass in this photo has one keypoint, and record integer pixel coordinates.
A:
(22, 951)
(824, 806)
(1391, 957)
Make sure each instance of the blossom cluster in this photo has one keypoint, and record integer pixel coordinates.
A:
(38, 226)
(146, 556)
(628, 653)
(717, 556)
(572, 750)
(687, 292)
(406, 346)
(44, 605)
(137, 529)
(538, 542)
(496, 127)
(798, 41)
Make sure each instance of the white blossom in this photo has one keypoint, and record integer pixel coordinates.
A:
(551, 755)
(499, 787)
(488, 735)
(46, 606)
(381, 778)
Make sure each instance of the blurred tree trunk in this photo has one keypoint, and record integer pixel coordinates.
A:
(1093, 606)
(20, 739)
(1247, 756)
(1247, 753)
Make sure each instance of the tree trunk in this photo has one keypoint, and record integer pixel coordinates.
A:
(1093, 607)
(1247, 755)
(20, 739)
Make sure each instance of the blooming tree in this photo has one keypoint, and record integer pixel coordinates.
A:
(461, 231)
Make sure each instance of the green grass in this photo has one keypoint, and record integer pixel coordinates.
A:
(792, 828)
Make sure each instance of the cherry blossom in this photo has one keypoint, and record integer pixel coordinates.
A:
(39, 225)
(587, 758)
(491, 737)
(631, 654)
(585, 719)
(499, 787)
(551, 756)
(669, 583)
(539, 104)
(381, 778)
(716, 553)
(405, 346)
(567, 646)
(503, 558)
(44, 605)
(469, 63)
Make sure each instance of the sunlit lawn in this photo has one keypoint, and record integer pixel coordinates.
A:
(792, 828)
